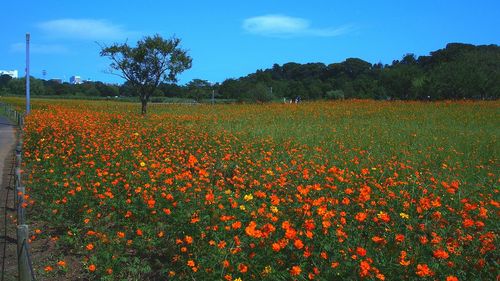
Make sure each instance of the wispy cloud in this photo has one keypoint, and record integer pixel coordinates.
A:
(39, 48)
(285, 26)
(88, 29)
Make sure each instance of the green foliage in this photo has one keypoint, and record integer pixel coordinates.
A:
(154, 60)
(335, 95)
(459, 71)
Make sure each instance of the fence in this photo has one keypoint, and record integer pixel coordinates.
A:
(25, 267)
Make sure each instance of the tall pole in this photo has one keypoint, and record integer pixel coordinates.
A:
(27, 73)
(213, 96)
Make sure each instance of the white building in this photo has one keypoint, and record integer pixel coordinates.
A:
(11, 73)
(75, 80)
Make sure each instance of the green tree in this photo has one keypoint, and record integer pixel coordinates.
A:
(199, 89)
(4, 79)
(17, 86)
(154, 60)
(260, 92)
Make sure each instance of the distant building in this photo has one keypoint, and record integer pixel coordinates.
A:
(75, 80)
(11, 73)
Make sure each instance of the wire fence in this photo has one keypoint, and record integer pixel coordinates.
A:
(24, 261)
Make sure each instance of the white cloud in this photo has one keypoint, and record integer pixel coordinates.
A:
(39, 48)
(285, 26)
(88, 29)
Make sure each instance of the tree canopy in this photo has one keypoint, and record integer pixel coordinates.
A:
(153, 61)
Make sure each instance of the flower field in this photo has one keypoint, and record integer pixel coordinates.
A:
(315, 191)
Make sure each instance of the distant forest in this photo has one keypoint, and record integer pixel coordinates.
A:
(459, 71)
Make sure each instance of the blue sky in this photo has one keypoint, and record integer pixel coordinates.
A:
(229, 39)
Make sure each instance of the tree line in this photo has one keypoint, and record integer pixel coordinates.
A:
(459, 71)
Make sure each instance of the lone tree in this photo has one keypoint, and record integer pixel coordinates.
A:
(154, 60)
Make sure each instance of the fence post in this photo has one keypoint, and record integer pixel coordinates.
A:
(17, 184)
(20, 201)
(20, 190)
(22, 252)
(18, 158)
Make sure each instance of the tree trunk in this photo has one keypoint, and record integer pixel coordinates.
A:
(144, 103)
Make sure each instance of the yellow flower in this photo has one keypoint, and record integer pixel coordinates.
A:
(274, 209)
(248, 197)
(238, 279)
(242, 207)
(404, 216)
(267, 269)
(143, 164)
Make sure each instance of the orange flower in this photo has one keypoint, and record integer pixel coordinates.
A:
(61, 263)
(402, 258)
(468, 223)
(400, 238)
(361, 251)
(451, 278)
(298, 244)
(251, 230)
(120, 234)
(191, 263)
(138, 232)
(364, 269)
(360, 217)
(48, 268)
(276, 247)
(236, 225)
(423, 270)
(441, 254)
(188, 239)
(92, 268)
(90, 246)
(383, 216)
(242, 268)
(295, 270)
(378, 240)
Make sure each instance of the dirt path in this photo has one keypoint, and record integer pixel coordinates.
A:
(8, 258)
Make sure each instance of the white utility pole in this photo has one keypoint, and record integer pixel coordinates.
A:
(27, 73)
